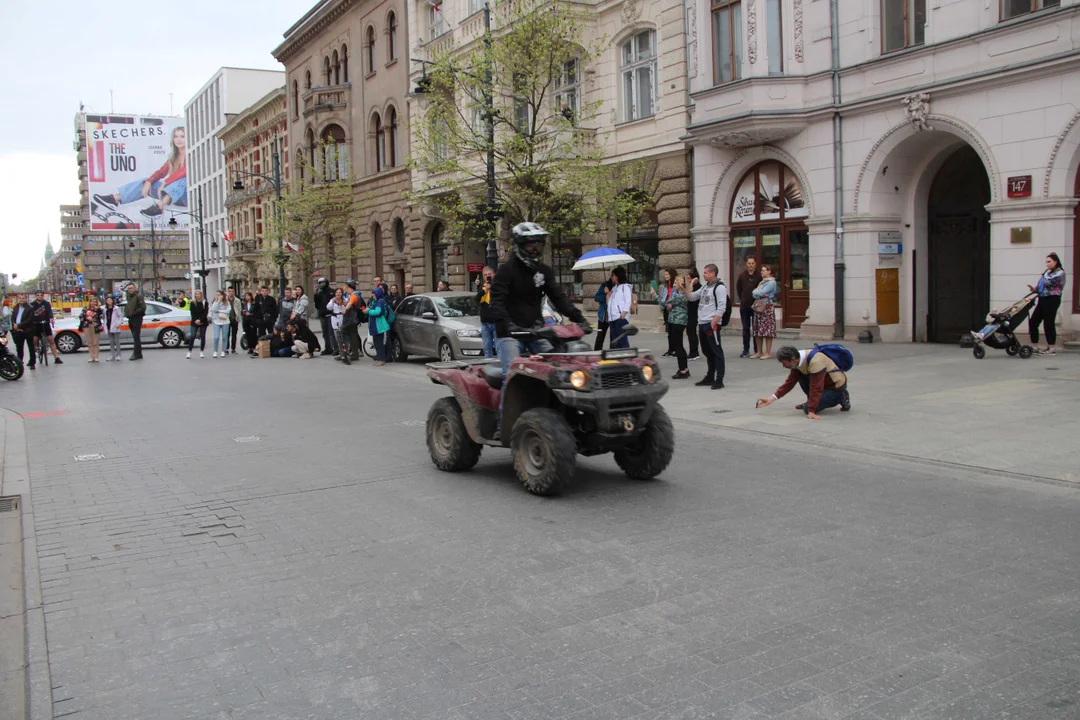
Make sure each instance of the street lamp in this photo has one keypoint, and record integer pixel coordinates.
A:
(423, 87)
(275, 180)
(202, 234)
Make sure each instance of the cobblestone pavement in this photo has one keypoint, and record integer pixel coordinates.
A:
(269, 540)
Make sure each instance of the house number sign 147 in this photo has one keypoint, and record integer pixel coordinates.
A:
(1019, 186)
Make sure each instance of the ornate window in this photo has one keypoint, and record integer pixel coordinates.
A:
(774, 36)
(335, 157)
(336, 63)
(307, 80)
(296, 100)
(639, 81)
(437, 24)
(380, 144)
(399, 235)
(328, 76)
(903, 23)
(568, 90)
(391, 138)
(344, 63)
(727, 40)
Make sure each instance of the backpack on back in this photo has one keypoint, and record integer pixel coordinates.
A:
(835, 352)
(726, 317)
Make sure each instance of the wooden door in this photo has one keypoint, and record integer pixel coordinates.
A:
(796, 277)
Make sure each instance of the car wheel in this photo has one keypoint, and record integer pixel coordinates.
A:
(10, 367)
(448, 440)
(651, 453)
(544, 450)
(68, 342)
(446, 353)
(398, 351)
(171, 338)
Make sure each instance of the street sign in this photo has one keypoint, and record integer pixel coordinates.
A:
(1019, 186)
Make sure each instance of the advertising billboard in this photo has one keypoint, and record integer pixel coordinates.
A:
(137, 171)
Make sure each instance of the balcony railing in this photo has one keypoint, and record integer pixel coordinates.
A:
(326, 99)
(247, 246)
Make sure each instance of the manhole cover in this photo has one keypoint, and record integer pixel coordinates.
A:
(86, 458)
(412, 423)
(247, 439)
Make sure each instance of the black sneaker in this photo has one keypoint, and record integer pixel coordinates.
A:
(106, 200)
(704, 381)
(694, 357)
(681, 375)
(718, 385)
(151, 210)
(801, 406)
(845, 402)
(57, 361)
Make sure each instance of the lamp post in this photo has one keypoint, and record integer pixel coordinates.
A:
(275, 182)
(491, 210)
(203, 272)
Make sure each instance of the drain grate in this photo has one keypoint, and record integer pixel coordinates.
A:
(86, 458)
(9, 504)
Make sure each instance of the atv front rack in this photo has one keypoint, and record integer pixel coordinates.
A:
(460, 364)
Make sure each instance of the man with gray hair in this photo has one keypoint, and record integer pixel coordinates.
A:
(824, 383)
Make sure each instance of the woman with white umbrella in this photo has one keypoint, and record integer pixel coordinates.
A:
(602, 259)
(619, 304)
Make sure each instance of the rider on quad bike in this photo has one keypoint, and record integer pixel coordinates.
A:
(517, 296)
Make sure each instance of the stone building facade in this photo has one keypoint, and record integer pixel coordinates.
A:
(640, 79)
(904, 188)
(250, 140)
(346, 67)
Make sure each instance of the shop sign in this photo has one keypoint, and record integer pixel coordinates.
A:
(475, 267)
(889, 243)
(1019, 186)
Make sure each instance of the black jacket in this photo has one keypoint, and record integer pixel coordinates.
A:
(486, 316)
(199, 311)
(304, 334)
(517, 296)
(267, 310)
(322, 298)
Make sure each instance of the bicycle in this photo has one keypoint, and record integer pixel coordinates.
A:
(41, 347)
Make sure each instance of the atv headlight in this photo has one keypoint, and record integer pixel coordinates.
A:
(579, 379)
(648, 373)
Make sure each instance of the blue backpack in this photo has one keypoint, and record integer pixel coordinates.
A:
(835, 352)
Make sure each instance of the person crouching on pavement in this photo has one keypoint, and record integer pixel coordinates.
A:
(281, 344)
(824, 383)
(305, 344)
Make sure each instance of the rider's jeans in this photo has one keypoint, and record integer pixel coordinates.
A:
(510, 348)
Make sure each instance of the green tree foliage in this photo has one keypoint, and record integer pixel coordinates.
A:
(548, 153)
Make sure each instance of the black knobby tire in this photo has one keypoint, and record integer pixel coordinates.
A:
(544, 449)
(979, 352)
(1026, 351)
(10, 367)
(448, 441)
(652, 452)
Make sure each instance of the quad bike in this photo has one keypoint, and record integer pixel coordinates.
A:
(569, 401)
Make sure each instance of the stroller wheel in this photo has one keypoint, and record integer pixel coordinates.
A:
(979, 352)
(1026, 351)
(1013, 349)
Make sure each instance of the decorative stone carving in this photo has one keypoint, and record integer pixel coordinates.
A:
(798, 31)
(631, 11)
(918, 110)
(751, 30)
(691, 32)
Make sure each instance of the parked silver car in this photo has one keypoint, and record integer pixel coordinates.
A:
(445, 325)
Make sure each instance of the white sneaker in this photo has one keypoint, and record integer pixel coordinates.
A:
(202, 354)
(188, 355)
(215, 353)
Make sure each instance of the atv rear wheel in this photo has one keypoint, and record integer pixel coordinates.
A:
(652, 452)
(448, 441)
(544, 449)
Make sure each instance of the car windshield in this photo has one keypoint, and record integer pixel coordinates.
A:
(454, 307)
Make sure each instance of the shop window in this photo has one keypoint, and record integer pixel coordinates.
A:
(1015, 8)
(564, 253)
(639, 82)
(903, 23)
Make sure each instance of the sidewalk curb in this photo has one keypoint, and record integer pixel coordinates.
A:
(15, 480)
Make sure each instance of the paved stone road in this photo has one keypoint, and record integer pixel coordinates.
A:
(327, 570)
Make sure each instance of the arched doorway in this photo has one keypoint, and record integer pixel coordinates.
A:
(768, 222)
(958, 225)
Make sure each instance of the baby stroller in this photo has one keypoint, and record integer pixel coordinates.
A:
(999, 333)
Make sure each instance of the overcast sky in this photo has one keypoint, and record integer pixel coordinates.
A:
(54, 55)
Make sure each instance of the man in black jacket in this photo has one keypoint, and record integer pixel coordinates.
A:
(487, 320)
(517, 295)
(266, 311)
(322, 299)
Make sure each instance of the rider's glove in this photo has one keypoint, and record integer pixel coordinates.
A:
(514, 328)
(585, 327)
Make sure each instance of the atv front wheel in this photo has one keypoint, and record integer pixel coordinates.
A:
(544, 449)
(651, 453)
(448, 441)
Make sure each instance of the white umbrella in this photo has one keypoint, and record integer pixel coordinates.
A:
(602, 258)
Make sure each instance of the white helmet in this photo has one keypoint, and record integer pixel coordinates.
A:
(529, 239)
